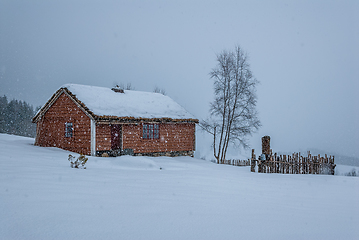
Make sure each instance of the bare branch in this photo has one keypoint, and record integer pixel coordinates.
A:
(233, 109)
(159, 90)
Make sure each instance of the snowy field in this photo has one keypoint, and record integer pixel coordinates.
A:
(41, 197)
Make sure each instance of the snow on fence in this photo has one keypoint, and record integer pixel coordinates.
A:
(293, 164)
(237, 162)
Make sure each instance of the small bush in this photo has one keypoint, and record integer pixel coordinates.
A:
(352, 173)
(79, 162)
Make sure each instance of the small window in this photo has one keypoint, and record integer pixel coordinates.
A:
(69, 130)
(151, 131)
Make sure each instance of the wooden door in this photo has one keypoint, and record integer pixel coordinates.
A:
(116, 136)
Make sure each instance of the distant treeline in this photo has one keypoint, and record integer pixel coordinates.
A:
(15, 117)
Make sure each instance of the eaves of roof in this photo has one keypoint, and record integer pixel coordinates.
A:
(102, 119)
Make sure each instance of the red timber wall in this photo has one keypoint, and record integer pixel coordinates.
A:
(50, 130)
(103, 137)
(173, 137)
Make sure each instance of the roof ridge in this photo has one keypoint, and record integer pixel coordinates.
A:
(102, 104)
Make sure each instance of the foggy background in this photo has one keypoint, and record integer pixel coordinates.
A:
(304, 53)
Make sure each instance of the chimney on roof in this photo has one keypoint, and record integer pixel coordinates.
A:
(117, 89)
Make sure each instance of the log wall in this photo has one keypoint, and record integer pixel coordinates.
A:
(51, 127)
(173, 137)
(103, 137)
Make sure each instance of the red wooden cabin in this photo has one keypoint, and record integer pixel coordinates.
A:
(101, 121)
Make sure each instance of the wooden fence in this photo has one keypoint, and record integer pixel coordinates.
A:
(293, 164)
(237, 162)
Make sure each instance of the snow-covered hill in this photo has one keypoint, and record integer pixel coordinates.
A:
(41, 197)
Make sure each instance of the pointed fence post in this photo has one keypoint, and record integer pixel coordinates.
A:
(253, 162)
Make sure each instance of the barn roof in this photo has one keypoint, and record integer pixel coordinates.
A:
(105, 104)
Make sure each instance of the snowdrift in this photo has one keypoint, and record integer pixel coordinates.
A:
(42, 197)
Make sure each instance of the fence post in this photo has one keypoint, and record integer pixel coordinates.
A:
(253, 162)
(332, 166)
(310, 163)
(296, 163)
(288, 164)
(320, 165)
(253, 165)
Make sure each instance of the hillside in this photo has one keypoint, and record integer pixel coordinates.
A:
(165, 198)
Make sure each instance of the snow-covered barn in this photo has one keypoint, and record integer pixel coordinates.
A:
(102, 121)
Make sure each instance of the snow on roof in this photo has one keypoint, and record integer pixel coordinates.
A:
(105, 102)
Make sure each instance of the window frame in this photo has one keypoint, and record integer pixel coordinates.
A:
(69, 129)
(150, 131)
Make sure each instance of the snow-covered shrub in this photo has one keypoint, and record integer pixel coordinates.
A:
(79, 162)
(352, 173)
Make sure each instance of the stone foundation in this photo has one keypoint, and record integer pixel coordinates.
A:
(167, 154)
(115, 153)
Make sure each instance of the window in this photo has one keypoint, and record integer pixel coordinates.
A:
(69, 130)
(151, 131)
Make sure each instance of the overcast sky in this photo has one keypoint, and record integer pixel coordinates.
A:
(304, 53)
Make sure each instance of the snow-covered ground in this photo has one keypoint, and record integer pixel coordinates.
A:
(41, 197)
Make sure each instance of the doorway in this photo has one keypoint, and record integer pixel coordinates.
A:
(116, 137)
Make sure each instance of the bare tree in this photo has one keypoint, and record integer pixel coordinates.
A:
(159, 90)
(129, 87)
(233, 113)
(122, 86)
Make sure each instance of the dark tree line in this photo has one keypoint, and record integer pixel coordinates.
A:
(15, 117)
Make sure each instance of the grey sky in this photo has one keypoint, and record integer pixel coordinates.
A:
(304, 53)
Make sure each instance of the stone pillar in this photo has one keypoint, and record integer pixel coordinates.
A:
(266, 145)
